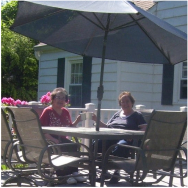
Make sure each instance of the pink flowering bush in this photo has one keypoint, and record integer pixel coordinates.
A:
(11, 102)
(45, 99)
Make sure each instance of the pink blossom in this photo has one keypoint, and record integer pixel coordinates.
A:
(4, 100)
(48, 94)
(10, 101)
(45, 99)
(24, 103)
(18, 101)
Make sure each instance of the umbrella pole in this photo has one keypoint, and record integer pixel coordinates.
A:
(100, 90)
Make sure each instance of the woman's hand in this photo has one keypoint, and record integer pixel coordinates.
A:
(94, 117)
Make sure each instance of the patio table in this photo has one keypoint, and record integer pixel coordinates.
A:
(90, 133)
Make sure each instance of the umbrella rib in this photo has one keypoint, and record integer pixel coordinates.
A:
(90, 20)
(160, 49)
(129, 24)
(99, 21)
(122, 27)
(88, 44)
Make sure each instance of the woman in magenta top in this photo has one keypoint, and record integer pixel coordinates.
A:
(57, 115)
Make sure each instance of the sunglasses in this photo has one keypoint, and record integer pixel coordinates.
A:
(60, 98)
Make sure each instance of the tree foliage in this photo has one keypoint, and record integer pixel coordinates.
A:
(19, 67)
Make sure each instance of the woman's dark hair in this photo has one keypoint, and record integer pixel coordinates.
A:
(126, 93)
(59, 90)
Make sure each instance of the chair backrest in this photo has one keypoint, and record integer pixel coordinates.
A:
(146, 114)
(163, 136)
(29, 132)
(38, 108)
(6, 136)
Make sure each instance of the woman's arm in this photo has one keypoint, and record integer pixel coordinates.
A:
(78, 119)
(94, 118)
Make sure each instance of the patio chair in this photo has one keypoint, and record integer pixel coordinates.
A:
(12, 156)
(157, 153)
(36, 149)
(147, 115)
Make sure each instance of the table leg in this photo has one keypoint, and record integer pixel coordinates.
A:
(93, 177)
(95, 157)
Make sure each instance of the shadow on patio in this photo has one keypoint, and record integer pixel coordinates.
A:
(164, 183)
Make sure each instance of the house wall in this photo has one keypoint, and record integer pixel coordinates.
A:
(48, 61)
(175, 13)
(144, 81)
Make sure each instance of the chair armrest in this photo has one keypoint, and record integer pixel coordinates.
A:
(130, 146)
(14, 149)
(77, 143)
(44, 150)
(140, 151)
(89, 153)
(55, 150)
(125, 146)
(184, 149)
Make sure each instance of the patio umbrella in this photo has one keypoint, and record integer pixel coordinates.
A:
(116, 30)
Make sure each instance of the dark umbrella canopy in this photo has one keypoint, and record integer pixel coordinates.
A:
(134, 37)
(139, 37)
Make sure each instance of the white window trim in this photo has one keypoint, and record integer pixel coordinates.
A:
(176, 90)
(68, 70)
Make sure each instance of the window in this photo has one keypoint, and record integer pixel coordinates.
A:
(75, 86)
(183, 82)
